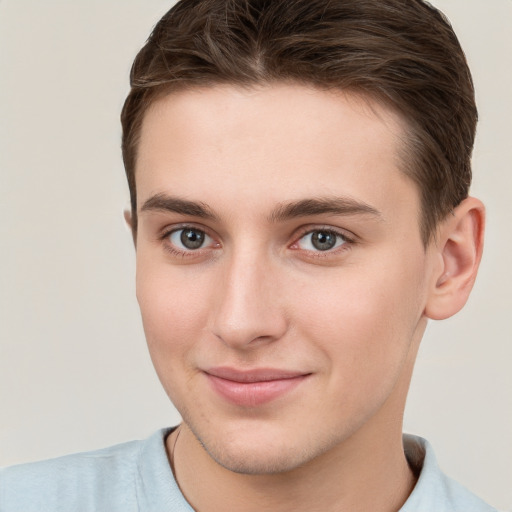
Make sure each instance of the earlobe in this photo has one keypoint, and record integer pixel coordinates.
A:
(127, 214)
(459, 250)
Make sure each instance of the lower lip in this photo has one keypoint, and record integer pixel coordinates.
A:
(250, 394)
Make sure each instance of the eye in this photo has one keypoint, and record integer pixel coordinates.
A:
(189, 239)
(321, 240)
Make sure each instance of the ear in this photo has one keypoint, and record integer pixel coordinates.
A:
(127, 214)
(458, 251)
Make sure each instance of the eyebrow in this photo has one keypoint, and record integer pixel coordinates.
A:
(323, 205)
(284, 211)
(165, 203)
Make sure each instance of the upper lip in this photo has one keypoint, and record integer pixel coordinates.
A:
(253, 374)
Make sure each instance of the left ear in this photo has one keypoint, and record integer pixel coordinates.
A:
(459, 250)
(127, 214)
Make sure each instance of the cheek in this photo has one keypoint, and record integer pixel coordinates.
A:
(363, 328)
(362, 320)
(174, 313)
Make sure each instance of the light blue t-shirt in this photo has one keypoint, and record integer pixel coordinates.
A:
(136, 477)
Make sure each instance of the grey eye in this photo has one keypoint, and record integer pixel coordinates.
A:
(321, 240)
(189, 238)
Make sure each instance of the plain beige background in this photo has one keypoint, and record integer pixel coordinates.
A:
(74, 371)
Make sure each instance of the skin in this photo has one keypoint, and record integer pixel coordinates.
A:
(259, 294)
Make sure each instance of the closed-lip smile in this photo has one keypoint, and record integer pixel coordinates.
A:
(253, 387)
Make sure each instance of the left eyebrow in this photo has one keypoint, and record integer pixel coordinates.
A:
(323, 205)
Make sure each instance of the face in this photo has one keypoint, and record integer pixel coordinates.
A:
(281, 274)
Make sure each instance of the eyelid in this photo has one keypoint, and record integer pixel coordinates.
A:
(349, 239)
(305, 230)
(167, 231)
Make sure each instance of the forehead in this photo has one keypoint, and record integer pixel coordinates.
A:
(268, 144)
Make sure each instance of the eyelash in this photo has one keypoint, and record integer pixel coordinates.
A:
(170, 248)
(348, 241)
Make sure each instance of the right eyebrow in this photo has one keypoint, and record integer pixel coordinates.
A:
(165, 203)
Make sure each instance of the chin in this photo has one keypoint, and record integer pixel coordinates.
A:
(262, 453)
(258, 461)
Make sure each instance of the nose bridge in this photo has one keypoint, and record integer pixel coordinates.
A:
(248, 308)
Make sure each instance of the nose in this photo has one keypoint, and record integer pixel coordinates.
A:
(249, 309)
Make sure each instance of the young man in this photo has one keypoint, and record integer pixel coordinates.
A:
(299, 177)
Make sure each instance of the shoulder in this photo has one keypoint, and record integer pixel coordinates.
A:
(97, 480)
(434, 490)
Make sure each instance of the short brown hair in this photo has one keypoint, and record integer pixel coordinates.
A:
(401, 52)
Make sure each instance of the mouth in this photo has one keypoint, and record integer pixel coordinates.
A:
(250, 388)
